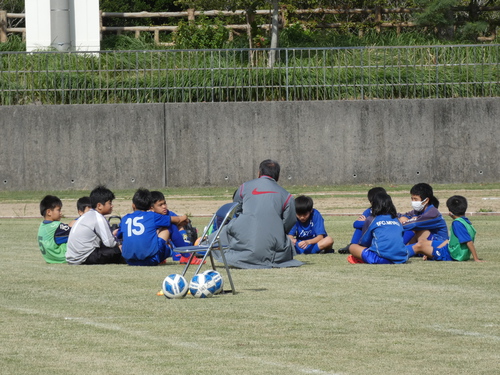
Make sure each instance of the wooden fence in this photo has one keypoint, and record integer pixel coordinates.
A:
(376, 21)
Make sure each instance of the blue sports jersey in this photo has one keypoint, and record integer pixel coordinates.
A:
(431, 220)
(139, 233)
(312, 228)
(461, 231)
(384, 236)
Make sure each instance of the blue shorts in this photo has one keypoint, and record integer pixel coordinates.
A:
(440, 253)
(163, 253)
(308, 250)
(371, 257)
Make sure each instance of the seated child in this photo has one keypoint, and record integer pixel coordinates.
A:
(360, 221)
(425, 226)
(145, 233)
(52, 234)
(382, 242)
(160, 207)
(82, 206)
(90, 240)
(308, 234)
(462, 233)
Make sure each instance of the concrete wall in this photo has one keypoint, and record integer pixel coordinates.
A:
(221, 144)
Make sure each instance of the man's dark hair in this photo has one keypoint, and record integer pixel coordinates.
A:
(373, 191)
(303, 205)
(270, 168)
(425, 191)
(142, 199)
(101, 194)
(382, 205)
(83, 203)
(157, 196)
(49, 202)
(457, 205)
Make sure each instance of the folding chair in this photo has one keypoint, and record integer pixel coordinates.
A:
(210, 243)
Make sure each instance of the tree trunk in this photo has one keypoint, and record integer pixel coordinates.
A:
(274, 34)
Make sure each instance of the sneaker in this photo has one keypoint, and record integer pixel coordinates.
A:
(344, 250)
(327, 251)
(195, 260)
(354, 260)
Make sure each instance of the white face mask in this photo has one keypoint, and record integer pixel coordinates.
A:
(418, 205)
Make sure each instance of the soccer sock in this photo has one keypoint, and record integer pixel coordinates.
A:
(314, 249)
(408, 235)
(185, 237)
(411, 252)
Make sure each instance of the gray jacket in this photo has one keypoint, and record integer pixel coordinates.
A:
(258, 238)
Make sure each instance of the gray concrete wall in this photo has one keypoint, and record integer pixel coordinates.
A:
(221, 144)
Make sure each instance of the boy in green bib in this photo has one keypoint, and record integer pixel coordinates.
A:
(462, 233)
(52, 234)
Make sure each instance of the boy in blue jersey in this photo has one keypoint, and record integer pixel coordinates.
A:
(360, 221)
(52, 234)
(462, 233)
(159, 205)
(308, 235)
(145, 233)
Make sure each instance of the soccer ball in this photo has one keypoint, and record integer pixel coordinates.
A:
(217, 278)
(202, 286)
(175, 286)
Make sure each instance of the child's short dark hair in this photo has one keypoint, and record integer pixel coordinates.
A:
(425, 191)
(457, 205)
(83, 203)
(101, 194)
(382, 205)
(49, 202)
(373, 191)
(157, 196)
(303, 205)
(142, 199)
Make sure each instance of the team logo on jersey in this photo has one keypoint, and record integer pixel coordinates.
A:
(256, 192)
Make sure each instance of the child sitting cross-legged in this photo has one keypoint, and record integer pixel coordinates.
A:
(308, 234)
(145, 233)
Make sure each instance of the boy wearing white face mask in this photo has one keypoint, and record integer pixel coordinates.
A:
(426, 231)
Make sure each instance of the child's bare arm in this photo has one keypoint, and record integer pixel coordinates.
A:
(178, 219)
(472, 249)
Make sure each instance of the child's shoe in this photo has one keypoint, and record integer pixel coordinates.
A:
(195, 260)
(344, 250)
(354, 260)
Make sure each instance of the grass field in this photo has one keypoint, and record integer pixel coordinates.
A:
(327, 317)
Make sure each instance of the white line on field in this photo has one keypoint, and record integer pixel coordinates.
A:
(460, 332)
(191, 345)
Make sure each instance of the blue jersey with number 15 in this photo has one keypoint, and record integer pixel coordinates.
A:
(138, 230)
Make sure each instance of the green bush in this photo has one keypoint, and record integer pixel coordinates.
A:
(201, 35)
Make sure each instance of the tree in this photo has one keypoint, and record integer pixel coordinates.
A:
(470, 22)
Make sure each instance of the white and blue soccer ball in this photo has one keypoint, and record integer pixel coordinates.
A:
(175, 286)
(202, 286)
(217, 278)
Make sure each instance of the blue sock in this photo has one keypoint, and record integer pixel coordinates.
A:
(411, 253)
(185, 237)
(314, 249)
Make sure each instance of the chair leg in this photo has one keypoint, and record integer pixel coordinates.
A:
(228, 272)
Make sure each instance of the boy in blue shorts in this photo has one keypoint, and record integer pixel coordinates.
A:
(308, 234)
(145, 233)
(462, 233)
(52, 234)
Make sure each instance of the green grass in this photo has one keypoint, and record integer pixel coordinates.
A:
(152, 76)
(326, 317)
